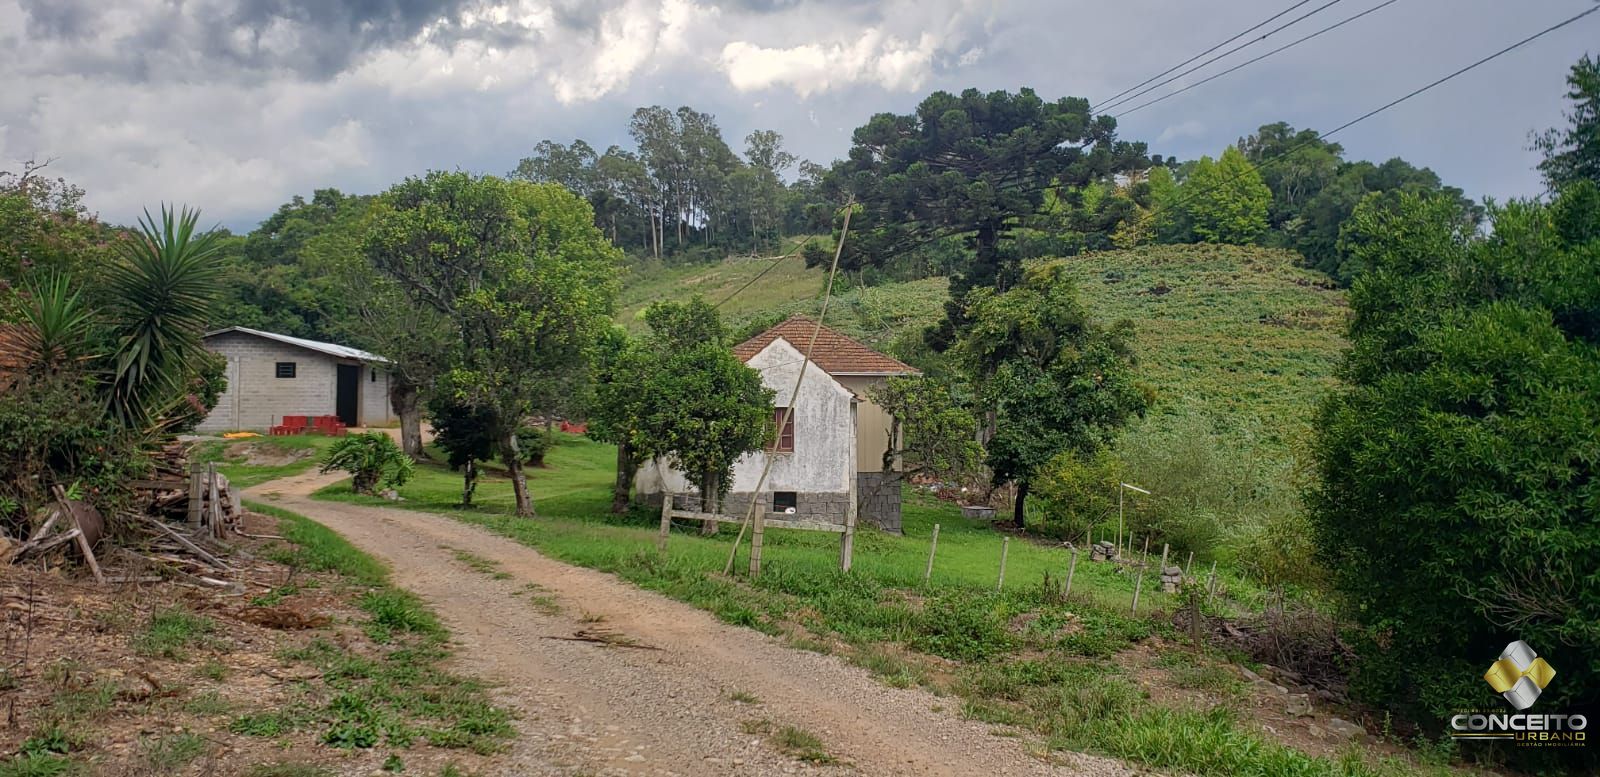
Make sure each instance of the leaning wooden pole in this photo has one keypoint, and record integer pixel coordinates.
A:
(788, 413)
(1072, 569)
(1005, 549)
(933, 547)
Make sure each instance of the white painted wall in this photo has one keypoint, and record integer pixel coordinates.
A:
(373, 407)
(824, 457)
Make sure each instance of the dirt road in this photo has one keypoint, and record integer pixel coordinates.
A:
(590, 709)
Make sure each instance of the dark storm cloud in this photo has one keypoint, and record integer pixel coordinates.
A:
(63, 19)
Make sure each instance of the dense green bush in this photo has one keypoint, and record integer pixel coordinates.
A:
(1459, 500)
(372, 459)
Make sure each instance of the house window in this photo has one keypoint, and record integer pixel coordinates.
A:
(783, 501)
(374, 378)
(285, 369)
(786, 430)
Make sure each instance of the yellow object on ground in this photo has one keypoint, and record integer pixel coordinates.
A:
(239, 435)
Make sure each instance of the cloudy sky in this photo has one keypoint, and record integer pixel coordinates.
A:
(236, 105)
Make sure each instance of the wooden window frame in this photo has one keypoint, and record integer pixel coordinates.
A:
(784, 442)
(793, 499)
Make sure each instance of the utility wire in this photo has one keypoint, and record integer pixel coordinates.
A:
(1150, 214)
(1142, 92)
(1237, 36)
(1254, 60)
(760, 275)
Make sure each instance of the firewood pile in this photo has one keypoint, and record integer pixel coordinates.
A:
(175, 529)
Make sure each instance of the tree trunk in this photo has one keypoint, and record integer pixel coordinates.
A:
(511, 456)
(469, 482)
(403, 399)
(708, 503)
(1017, 513)
(623, 488)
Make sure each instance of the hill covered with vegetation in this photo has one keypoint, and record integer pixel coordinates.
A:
(1241, 334)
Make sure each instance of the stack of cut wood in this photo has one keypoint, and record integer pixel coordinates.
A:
(182, 508)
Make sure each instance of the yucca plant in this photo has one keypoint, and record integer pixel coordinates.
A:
(55, 330)
(162, 290)
(372, 459)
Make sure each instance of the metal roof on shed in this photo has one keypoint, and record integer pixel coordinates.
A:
(331, 349)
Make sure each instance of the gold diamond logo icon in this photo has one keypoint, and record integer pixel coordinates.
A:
(1519, 675)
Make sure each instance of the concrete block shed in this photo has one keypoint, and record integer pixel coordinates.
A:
(272, 375)
(831, 454)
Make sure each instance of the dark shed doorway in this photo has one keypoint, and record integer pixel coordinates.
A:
(347, 393)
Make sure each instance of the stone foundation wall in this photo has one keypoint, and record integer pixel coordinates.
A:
(808, 506)
(878, 505)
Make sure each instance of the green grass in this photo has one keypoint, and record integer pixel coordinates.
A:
(1238, 332)
(789, 282)
(231, 461)
(1063, 691)
(169, 754)
(397, 697)
(171, 631)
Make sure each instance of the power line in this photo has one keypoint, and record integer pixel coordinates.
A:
(760, 275)
(1142, 92)
(1252, 61)
(1374, 112)
(1236, 36)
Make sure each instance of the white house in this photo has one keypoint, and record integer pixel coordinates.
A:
(831, 454)
(272, 375)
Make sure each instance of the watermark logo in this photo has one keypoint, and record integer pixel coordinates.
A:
(1520, 675)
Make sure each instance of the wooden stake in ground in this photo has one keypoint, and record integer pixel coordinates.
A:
(1162, 570)
(1211, 585)
(1188, 565)
(1005, 548)
(666, 522)
(847, 544)
(196, 495)
(216, 500)
(933, 547)
(1138, 582)
(1072, 569)
(758, 531)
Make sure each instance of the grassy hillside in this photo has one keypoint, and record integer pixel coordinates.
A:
(1241, 334)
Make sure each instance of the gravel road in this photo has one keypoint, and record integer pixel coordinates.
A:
(591, 709)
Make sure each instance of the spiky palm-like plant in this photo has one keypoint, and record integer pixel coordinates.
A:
(163, 289)
(54, 330)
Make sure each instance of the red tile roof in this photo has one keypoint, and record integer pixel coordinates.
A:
(834, 353)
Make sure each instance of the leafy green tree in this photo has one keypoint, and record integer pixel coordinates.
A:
(970, 166)
(284, 275)
(372, 459)
(45, 231)
(930, 433)
(464, 432)
(1456, 498)
(1056, 380)
(679, 392)
(1225, 201)
(1572, 153)
(524, 277)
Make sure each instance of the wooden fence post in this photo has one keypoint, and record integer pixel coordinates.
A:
(1072, 569)
(847, 546)
(1163, 568)
(666, 522)
(216, 501)
(1005, 549)
(1188, 565)
(758, 525)
(933, 547)
(196, 496)
(1211, 585)
(1138, 582)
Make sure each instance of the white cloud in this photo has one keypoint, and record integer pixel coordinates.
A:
(887, 61)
